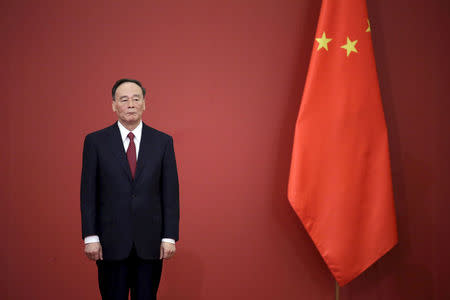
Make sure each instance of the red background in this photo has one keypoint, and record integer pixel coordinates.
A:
(225, 79)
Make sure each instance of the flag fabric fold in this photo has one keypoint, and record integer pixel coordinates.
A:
(340, 182)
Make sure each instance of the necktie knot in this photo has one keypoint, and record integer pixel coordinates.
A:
(131, 136)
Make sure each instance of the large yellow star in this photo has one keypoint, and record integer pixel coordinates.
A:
(323, 42)
(350, 46)
(368, 26)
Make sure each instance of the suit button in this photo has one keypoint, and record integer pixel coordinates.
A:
(134, 195)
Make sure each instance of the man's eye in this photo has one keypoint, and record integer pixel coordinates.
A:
(136, 99)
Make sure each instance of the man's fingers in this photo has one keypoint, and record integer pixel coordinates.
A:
(167, 250)
(169, 253)
(98, 253)
(93, 251)
(89, 255)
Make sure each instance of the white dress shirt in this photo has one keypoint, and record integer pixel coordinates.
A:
(126, 142)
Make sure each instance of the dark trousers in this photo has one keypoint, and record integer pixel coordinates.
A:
(138, 276)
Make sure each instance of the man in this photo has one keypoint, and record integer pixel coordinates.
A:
(129, 199)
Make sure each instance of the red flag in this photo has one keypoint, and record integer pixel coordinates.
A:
(340, 180)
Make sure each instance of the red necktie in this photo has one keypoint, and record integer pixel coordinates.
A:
(131, 154)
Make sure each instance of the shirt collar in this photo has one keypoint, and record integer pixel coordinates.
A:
(124, 132)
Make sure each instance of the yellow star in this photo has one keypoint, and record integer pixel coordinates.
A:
(368, 28)
(323, 42)
(350, 46)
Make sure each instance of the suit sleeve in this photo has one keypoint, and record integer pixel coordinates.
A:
(88, 189)
(170, 193)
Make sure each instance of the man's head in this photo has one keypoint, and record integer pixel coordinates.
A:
(128, 101)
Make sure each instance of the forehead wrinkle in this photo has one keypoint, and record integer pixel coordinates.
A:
(126, 96)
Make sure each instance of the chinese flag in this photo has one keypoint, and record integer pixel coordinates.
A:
(340, 180)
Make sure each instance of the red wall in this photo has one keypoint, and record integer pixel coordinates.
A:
(225, 79)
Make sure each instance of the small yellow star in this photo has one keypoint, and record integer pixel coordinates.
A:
(350, 46)
(368, 26)
(323, 42)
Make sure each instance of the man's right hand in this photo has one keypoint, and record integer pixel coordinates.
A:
(93, 251)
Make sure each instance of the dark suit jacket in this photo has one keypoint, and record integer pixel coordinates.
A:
(123, 211)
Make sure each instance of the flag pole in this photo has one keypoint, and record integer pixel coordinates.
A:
(337, 290)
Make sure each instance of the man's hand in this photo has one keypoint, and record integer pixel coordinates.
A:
(167, 250)
(93, 251)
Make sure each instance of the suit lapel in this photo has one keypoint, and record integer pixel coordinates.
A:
(118, 150)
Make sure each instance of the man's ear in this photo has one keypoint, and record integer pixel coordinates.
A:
(113, 106)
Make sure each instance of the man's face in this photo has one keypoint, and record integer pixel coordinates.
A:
(129, 103)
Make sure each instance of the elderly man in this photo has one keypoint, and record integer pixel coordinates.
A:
(129, 199)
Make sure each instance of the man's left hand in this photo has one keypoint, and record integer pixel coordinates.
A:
(167, 250)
